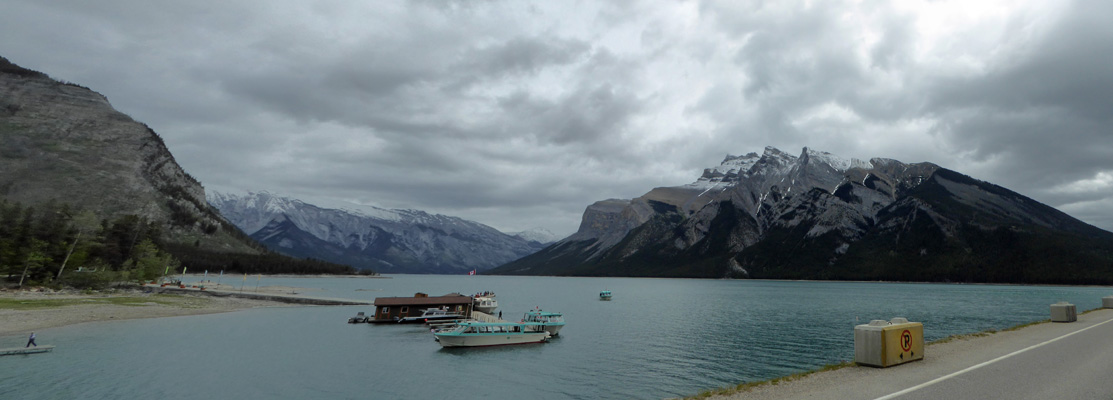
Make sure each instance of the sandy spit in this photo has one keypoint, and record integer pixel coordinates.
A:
(24, 321)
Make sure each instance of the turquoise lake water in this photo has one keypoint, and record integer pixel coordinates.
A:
(657, 338)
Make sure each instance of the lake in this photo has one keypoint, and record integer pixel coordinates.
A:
(657, 338)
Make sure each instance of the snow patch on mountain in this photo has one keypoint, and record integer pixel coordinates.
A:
(398, 238)
(838, 163)
(539, 235)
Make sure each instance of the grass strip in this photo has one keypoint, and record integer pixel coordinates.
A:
(748, 386)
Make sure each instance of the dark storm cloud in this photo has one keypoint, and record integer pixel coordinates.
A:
(521, 56)
(519, 114)
(588, 115)
(1042, 116)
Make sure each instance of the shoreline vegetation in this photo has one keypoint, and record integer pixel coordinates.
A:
(55, 245)
(743, 389)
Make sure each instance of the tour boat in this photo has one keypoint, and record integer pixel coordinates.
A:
(432, 314)
(478, 334)
(485, 302)
(549, 321)
(605, 295)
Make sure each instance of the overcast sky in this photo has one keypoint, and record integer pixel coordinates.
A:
(520, 114)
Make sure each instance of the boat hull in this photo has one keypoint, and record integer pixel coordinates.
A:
(490, 339)
(438, 318)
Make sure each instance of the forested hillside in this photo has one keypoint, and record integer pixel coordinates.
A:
(85, 187)
(54, 244)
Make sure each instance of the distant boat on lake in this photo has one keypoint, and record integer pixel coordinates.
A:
(605, 295)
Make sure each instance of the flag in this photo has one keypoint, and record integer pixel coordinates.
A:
(472, 272)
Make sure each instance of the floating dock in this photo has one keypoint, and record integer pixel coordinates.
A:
(46, 348)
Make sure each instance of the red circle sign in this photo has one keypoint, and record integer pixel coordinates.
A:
(906, 340)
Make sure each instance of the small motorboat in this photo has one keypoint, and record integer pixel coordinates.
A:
(359, 318)
(605, 295)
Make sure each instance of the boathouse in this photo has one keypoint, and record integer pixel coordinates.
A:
(391, 309)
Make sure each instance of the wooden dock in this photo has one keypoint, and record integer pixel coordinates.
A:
(484, 317)
(46, 348)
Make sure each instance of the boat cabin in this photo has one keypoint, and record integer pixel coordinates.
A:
(469, 328)
(393, 309)
(543, 317)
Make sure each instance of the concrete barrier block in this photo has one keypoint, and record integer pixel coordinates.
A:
(1063, 312)
(886, 343)
(1107, 302)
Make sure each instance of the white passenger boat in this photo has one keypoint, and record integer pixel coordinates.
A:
(485, 302)
(432, 314)
(605, 295)
(478, 334)
(549, 321)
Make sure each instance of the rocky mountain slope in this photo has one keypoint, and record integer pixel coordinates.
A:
(818, 216)
(65, 143)
(391, 241)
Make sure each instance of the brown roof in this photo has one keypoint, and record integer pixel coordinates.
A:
(422, 301)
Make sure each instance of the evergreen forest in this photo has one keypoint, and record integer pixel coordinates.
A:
(52, 244)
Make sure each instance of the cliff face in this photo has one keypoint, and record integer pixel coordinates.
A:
(65, 143)
(817, 216)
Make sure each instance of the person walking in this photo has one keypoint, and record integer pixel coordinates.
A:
(31, 340)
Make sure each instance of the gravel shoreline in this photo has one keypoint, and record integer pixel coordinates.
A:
(24, 321)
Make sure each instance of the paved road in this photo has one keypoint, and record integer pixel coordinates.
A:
(1044, 361)
(1078, 366)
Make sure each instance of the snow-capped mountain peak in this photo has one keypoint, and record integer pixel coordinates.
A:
(838, 163)
(392, 241)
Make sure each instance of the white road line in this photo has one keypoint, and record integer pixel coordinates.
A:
(952, 375)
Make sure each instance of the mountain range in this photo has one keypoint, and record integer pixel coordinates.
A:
(819, 216)
(390, 241)
(773, 215)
